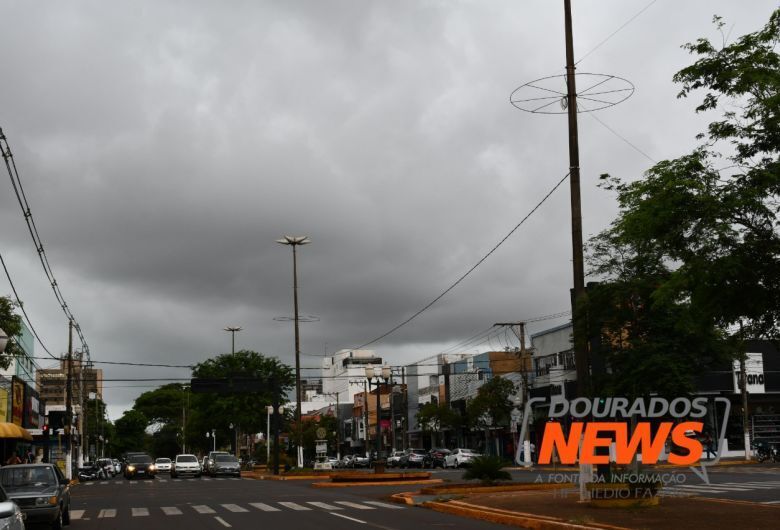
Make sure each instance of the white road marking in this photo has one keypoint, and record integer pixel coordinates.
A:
(384, 505)
(131, 482)
(355, 505)
(171, 510)
(140, 512)
(107, 513)
(294, 506)
(235, 508)
(88, 483)
(202, 508)
(104, 482)
(347, 517)
(76, 514)
(163, 480)
(264, 507)
(771, 502)
(222, 521)
(324, 506)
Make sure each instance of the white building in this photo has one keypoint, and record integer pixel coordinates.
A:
(344, 373)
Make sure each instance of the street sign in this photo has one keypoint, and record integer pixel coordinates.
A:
(321, 432)
(322, 446)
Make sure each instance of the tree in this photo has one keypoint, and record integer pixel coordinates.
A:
(695, 250)
(131, 431)
(435, 418)
(11, 324)
(244, 410)
(492, 406)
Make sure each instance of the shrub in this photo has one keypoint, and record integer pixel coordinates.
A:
(487, 469)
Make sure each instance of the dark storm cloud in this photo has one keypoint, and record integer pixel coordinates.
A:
(164, 146)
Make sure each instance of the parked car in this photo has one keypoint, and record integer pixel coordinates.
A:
(107, 466)
(346, 461)
(394, 460)
(117, 466)
(435, 457)
(90, 471)
(225, 465)
(11, 517)
(413, 458)
(460, 457)
(209, 462)
(204, 464)
(334, 462)
(359, 461)
(185, 465)
(40, 490)
(140, 466)
(163, 465)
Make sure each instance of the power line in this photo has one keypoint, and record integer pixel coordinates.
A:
(21, 197)
(24, 312)
(124, 363)
(463, 277)
(613, 131)
(626, 23)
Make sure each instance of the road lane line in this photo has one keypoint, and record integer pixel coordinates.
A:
(88, 483)
(104, 482)
(355, 505)
(294, 506)
(171, 510)
(202, 508)
(140, 512)
(771, 502)
(347, 517)
(264, 507)
(324, 506)
(384, 505)
(222, 521)
(76, 514)
(107, 513)
(235, 508)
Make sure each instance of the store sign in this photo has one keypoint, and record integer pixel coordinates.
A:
(754, 370)
(3, 404)
(17, 402)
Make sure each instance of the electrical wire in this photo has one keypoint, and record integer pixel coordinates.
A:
(468, 272)
(21, 197)
(125, 363)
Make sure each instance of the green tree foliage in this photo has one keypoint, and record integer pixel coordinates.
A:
(695, 250)
(11, 324)
(131, 432)
(309, 434)
(492, 405)
(488, 469)
(433, 418)
(247, 410)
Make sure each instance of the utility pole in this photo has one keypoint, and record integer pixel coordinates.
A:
(365, 414)
(518, 328)
(82, 444)
(405, 394)
(68, 405)
(744, 391)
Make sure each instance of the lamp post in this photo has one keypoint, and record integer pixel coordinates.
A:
(232, 330)
(295, 241)
(3, 340)
(213, 438)
(382, 377)
(268, 411)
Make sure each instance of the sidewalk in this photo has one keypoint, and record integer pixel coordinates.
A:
(554, 510)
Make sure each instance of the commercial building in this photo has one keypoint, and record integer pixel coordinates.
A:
(51, 382)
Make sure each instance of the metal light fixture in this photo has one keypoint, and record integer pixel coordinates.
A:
(3, 340)
(232, 330)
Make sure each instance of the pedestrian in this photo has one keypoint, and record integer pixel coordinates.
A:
(13, 459)
(533, 453)
(30, 457)
(708, 445)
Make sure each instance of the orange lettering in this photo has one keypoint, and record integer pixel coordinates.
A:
(691, 444)
(591, 441)
(553, 437)
(651, 447)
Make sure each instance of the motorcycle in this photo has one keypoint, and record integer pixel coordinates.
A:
(764, 452)
(91, 472)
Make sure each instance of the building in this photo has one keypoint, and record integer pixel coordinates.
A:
(344, 373)
(51, 382)
(22, 366)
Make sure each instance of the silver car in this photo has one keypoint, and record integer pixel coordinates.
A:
(163, 465)
(225, 465)
(11, 517)
(185, 465)
(41, 491)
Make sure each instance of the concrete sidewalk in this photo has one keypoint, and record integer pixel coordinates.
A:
(561, 510)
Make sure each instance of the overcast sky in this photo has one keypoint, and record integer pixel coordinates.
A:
(165, 146)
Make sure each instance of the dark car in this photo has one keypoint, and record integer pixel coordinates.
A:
(435, 457)
(140, 466)
(413, 458)
(40, 490)
(225, 465)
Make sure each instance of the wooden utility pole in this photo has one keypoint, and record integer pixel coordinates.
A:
(68, 403)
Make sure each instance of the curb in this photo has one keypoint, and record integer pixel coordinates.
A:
(468, 488)
(518, 519)
(372, 484)
(403, 498)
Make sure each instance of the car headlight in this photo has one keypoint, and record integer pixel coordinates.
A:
(131, 468)
(152, 467)
(42, 501)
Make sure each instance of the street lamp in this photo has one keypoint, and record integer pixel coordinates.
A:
(232, 330)
(3, 340)
(382, 377)
(268, 411)
(236, 436)
(213, 438)
(295, 241)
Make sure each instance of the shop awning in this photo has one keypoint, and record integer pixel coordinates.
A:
(13, 431)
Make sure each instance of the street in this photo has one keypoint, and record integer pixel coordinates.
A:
(244, 503)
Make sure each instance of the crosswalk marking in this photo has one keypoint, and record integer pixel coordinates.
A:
(294, 506)
(264, 507)
(324, 506)
(171, 510)
(234, 508)
(202, 508)
(107, 513)
(384, 505)
(104, 482)
(163, 480)
(354, 505)
(140, 512)
(76, 514)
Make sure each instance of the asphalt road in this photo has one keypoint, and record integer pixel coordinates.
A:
(246, 503)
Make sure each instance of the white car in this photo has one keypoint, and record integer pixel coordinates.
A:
(185, 465)
(460, 457)
(10, 515)
(163, 465)
(394, 460)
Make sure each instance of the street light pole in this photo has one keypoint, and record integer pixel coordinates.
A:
(295, 241)
(232, 330)
(381, 377)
